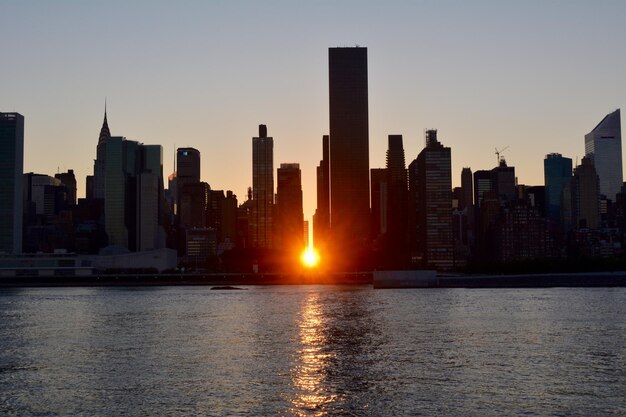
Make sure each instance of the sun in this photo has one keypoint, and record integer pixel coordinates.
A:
(310, 258)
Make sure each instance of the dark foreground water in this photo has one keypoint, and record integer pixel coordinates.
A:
(318, 350)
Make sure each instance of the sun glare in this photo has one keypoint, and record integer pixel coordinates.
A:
(310, 257)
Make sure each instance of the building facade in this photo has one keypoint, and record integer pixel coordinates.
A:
(321, 218)
(603, 146)
(11, 178)
(557, 172)
(431, 186)
(349, 149)
(290, 213)
(261, 221)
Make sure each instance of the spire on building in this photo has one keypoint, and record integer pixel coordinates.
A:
(105, 133)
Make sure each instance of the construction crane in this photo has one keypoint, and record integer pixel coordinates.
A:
(498, 152)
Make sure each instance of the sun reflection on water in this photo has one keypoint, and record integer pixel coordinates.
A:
(312, 362)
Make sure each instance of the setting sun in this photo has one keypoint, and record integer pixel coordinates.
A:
(310, 258)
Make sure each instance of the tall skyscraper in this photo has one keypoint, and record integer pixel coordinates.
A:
(557, 172)
(397, 199)
(467, 191)
(100, 162)
(187, 166)
(290, 213)
(379, 193)
(133, 194)
(603, 145)
(431, 186)
(321, 219)
(261, 224)
(11, 189)
(187, 172)
(349, 149)
(585, 194)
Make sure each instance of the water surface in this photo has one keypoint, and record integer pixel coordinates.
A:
(312, 350)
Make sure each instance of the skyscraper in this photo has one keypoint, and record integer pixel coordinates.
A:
(349, 148)
(603, 145)
(99, 163)
(379, 189)
(261, 225)
(133, 194)
(585, 194)
(431, 186)
(321, 219)
(187, 166)
(69, 180)
(187, 172)
(11, 189)
(290, 213)
(557, 172)
(397, 200)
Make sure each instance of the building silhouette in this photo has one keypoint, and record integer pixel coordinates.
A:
(396, 241)
(585, 196)
(97, 191)
(466, 202)
(261, 221)
(194, 203)
(187, 165)
(379, 191)
(187, 172)
(289, 208)
(133, 194)
(430, 184)
(603, 146)
(349, 150)
(321, 218)
(68, 179)
(11, 189)
(504, 182)
(557, 172)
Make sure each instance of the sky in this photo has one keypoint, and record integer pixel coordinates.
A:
(535, 76)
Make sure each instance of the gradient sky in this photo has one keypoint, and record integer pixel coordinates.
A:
(532, 75)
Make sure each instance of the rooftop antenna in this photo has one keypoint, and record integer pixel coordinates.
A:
(498, 152)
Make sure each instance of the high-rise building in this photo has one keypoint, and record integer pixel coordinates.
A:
(557, 172)
(194, 202)
(467, 192)
(431, 186)
(585, 194)
(483, 183)
(396, 242)
(290, 213)
(187, 166)
(133, 194)
(68, 179)
(229, 220)
(187, 172)
(100, 162)
(260, 223)
(349, 149)
(321, 218)
(466, 202)
(603, 145)
(379, 191)
(504, 182)
(11, 189)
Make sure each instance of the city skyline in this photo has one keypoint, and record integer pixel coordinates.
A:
(535, 91)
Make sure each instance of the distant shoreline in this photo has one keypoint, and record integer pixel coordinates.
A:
(583, 279)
